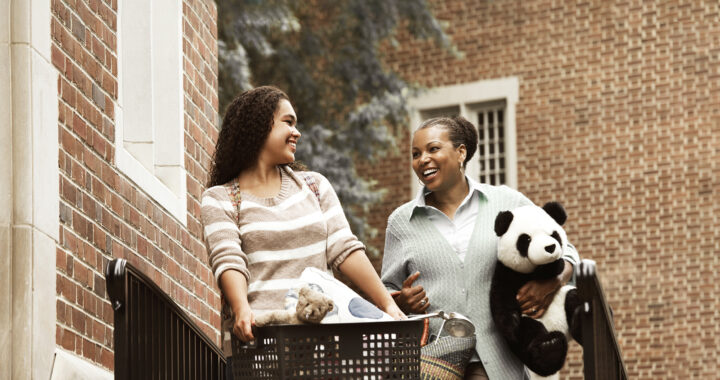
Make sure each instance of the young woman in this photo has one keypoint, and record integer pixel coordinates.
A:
(264, 223)
(440, 248)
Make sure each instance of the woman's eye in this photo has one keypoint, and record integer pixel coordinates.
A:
(415, 154)
(434, 149)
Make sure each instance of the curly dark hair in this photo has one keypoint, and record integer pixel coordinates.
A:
(460, 131)
(245, 127)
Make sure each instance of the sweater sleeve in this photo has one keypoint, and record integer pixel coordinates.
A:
(222, 236)
(393, 271)
(341, 242)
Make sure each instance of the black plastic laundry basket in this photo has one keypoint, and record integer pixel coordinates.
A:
(373, 351)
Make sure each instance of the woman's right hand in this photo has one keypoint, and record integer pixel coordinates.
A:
(244, 321)
(412, 299)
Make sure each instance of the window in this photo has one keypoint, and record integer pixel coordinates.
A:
(490, 106)
(149, 135)
(490, 121)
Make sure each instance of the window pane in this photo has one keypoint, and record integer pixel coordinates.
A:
(491, 133)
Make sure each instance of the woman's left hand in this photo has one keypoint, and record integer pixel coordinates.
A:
(535, 296)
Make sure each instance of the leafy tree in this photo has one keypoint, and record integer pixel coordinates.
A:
(325, 54)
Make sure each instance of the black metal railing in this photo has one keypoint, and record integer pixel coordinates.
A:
(601, 354)
(154, 338)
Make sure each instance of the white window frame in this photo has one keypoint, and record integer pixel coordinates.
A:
(149, 149)
(466, 96)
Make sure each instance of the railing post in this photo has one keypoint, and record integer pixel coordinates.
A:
(601, 353)
(153, 337)
(116, 280)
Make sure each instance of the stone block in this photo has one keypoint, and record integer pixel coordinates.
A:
(68, 366)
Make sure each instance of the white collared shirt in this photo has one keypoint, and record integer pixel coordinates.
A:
(457, 231)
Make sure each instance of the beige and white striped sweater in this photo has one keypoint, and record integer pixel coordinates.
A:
(272, 240)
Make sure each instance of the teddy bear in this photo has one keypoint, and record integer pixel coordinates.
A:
(312, 306)
(531, 243)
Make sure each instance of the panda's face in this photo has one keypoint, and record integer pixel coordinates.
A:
(531, 237)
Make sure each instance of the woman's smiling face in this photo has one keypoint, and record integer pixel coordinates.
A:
(281, 143)
(434, 159)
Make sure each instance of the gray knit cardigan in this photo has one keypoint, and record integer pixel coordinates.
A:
(413, 244)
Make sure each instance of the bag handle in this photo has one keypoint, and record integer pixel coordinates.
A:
(312, 184)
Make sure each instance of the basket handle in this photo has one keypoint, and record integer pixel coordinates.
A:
(252, 343)
(425, 333)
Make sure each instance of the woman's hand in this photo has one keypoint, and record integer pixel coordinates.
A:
(535, 296)
(234, 286)
(360, 271)
(242, 328)
(412, 299)
(394, 311)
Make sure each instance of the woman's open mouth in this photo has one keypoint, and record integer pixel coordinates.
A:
(429, 174)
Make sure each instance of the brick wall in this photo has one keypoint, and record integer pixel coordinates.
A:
(103, 215)
(619, 119)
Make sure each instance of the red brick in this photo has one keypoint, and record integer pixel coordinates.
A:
(106, 359)
(89, 349)
(60, 309)
(58, 58)
(66, 338)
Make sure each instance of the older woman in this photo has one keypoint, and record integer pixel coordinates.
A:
(440, 248)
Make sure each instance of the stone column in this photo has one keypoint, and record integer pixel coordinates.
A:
(29, 190)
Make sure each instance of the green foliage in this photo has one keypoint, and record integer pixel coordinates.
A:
(325, 54)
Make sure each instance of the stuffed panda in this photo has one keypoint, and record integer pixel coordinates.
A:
(531, 243)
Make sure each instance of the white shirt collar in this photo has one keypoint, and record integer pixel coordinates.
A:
(474, 186)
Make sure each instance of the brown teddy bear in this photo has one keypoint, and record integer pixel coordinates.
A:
(312, 306)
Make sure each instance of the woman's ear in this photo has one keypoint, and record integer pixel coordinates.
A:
(462, 151)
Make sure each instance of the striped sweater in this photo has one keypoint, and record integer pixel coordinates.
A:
(272, 240)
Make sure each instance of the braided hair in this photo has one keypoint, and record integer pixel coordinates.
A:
(460, 132)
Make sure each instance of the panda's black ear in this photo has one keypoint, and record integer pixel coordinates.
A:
(556, 211)
(502, 222)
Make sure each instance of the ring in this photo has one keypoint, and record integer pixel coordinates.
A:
(423, 302)
(533, 311)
